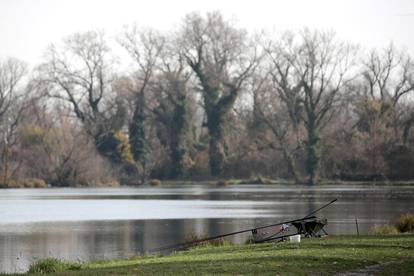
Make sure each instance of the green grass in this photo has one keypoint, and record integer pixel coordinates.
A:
(51, 265)
(310, 257)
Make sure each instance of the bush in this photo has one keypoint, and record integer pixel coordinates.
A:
(25, 183)
(405, 223)
(223, 183)
(51, 265)
(34, 183)
(384, 230)
(260, 180)
(155, 182)
(98, 183)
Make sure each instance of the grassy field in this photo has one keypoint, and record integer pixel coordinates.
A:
(380, 255)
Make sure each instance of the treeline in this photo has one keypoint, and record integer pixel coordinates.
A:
(206, 100)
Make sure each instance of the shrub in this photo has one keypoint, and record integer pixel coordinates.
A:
(384, 230)
(260, 180)
(33, 183)
(51, 265)
(25, 183)
(223, 183)
(155, 182)
(405, 223)
(98, 183)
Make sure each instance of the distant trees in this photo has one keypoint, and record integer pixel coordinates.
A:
(278, 112)
(309, 72)
(54, 149)
(144, 47)
(80, 73)
(384, 118)
(12, 103)
(12, 72)
(207, 100)
(222, 59)
(387, 78)
(173, 111)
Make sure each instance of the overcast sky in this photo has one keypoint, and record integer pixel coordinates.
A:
(28, 26)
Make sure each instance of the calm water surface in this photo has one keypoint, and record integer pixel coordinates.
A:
(109, 223)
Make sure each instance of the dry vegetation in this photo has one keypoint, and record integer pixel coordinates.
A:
(402, 224)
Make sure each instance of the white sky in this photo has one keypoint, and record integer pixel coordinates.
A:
(28, 26)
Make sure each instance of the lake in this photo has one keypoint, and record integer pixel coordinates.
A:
(83, 224)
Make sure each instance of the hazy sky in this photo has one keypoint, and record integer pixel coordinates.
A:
(28, 26)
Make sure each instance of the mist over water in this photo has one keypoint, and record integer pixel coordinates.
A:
(112, 223)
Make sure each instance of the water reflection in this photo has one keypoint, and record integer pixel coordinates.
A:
(91, 224)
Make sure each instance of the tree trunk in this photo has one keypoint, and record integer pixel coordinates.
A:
(217, 156)
(314, 153)
(217, 153)
(137, 137)
(291, 165)
(406, 129)
(5, 162)
(181, 137)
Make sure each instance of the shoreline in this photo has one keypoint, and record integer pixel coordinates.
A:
(229, 182)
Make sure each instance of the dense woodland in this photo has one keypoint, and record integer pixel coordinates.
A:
(206, 100)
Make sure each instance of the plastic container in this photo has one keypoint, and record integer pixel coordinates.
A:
(295, 238)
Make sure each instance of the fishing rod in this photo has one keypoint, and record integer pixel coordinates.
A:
(317, 210)
(185, 244)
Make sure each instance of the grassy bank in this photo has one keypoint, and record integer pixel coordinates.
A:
(380, 255)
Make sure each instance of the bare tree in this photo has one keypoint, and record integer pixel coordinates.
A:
(309, 71)
(388, 76)
(80, 74)
(222, 59)
(381, 105)
(281, 118)
(12, 72)
(12, 103)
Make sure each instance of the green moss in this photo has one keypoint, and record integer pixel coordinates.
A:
(137, 136)
(123, 148)
(115, 146)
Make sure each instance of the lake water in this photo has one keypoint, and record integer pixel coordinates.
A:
(113, 223)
